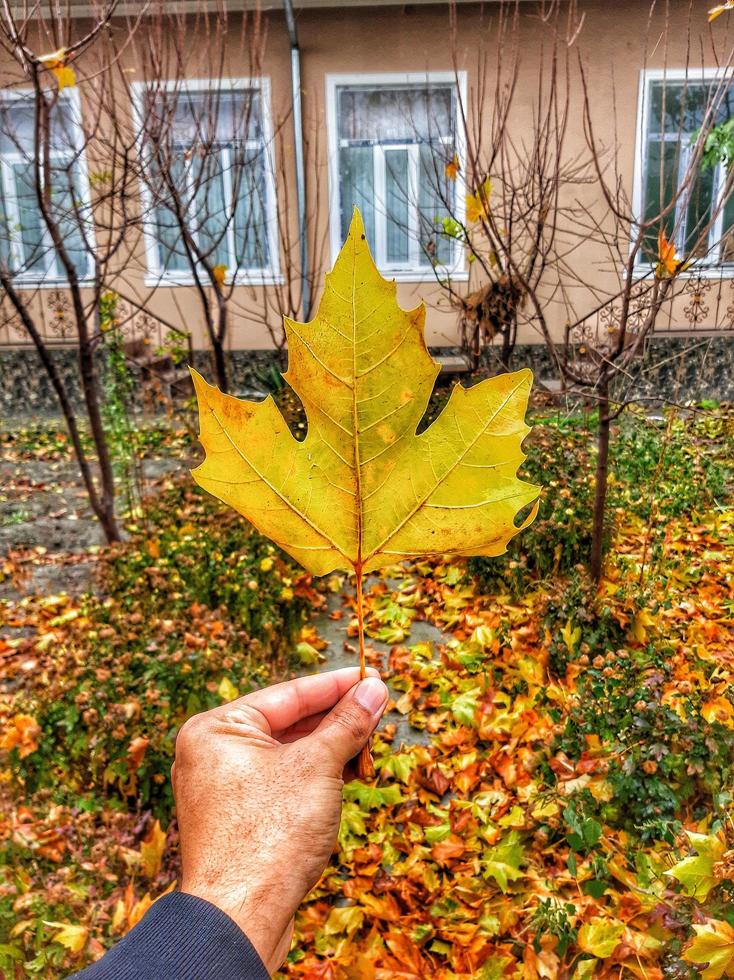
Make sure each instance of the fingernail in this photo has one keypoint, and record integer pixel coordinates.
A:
(371, 693)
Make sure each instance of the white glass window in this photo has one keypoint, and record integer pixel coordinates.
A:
(207, 169)
(673, 112)
(393, 144)
(26, 245)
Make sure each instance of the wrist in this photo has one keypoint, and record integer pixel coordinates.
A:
(259, 912)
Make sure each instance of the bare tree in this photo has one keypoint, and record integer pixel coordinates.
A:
(495, 185)
(61, 221)
(650, 250)
(555, 244)
(211, 163)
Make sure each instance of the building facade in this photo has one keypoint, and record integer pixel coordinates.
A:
(394, 110)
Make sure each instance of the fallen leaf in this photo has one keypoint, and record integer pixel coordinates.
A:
(713, 945)
(696, 873)
(600, 936)
(151, 850)
(73, 937)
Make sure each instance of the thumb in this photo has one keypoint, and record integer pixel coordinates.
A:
(345, 730)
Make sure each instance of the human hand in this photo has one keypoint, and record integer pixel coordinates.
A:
(258, 788)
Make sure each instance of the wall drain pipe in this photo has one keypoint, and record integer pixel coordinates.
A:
(300, 166)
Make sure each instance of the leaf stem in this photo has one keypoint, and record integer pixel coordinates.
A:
(360, 622)
(365, 763)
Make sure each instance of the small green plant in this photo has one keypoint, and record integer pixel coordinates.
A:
(173, 346)
(553, 918)
(117, 387)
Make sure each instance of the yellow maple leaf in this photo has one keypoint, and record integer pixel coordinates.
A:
(73, 937)
(151, 850)
(57, 64)
(719, 9)
(713, 945)
(696, 872)
(477, 204)
(362, 490)
(600, 936)
(220, 274)
(452, 168)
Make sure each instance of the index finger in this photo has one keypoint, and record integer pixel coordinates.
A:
(284, 704)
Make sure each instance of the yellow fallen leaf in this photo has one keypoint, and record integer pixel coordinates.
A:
(226, 690)
(21, 732)
(719, 709)
(696, 872)
(600, 936)
(642, 622)
(151, 850)
(713, 945)
(571, 636)
(73, 937)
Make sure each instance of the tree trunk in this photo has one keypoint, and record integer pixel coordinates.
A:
(97, 504)
(220, 364)
(217, 338)
(602, 480)
(90, 387)
(509, 335)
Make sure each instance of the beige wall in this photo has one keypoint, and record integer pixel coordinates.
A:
(417, 38)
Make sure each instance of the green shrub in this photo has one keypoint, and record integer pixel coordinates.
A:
(202, 606)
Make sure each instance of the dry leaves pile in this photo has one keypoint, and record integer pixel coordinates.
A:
(567, 813)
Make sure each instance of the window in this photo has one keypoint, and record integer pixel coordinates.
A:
(26, 246)
(391, 141)
(208, 180)
(673, 111)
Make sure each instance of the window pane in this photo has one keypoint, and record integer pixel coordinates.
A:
(210, 215)
(399, 114)
(677, 110)
(698, 212)
(357, 188)
(397, 206)
(171, 252)
(5, 230)
(249, 190)
(211, 115)
(29, 231)
(70, 215)
(727, 237)
(435, 190)
(660, 187)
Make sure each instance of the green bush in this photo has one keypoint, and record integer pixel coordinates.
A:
(202, 606)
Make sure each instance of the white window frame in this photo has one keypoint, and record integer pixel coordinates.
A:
(711, 267)
(414, 272)
(44, 279)
(155, 275)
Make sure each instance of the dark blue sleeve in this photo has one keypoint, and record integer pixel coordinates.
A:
(181, 937)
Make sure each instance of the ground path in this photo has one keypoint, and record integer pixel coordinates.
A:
(340, 652)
